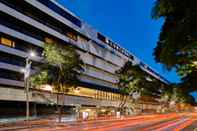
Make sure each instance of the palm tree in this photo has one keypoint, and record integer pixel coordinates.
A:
(61, 67)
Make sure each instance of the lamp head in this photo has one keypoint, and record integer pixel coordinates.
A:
(32, 54)
(22, 70)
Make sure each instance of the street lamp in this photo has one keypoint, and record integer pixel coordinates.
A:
(27, 71)
(149, 79)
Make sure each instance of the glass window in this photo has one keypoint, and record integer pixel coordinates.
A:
(61, 12)
(72, 36)
(7, 42)
(101, 37)
(49, 40)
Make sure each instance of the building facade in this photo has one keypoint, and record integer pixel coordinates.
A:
(26, 25)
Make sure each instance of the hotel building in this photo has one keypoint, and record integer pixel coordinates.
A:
(26, 25)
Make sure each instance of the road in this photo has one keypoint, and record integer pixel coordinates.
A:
(164, 122)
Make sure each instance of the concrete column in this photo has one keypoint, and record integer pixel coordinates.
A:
(97, 111)
(77, 111)
(35, 110)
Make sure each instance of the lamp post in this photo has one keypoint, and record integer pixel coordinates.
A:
(26, 81)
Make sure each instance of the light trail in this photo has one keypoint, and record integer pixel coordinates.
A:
(184, 125)
(160, 125)
(155, 122)
(130, 123)
(172, 124)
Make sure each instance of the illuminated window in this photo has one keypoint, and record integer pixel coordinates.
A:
(82, 39)
(113, 96)
(7, 42)
(103, 95)
(72, 36)
(49, 40)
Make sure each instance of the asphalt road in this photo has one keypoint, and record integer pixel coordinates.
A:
(165, 122)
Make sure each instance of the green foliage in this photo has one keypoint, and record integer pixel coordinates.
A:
(189, 81)
(133, 79)
(60, 68)
(162, 8)
(184, 70)
(128, 78)
(177, 41)
(177, 94)
(177, 44)
(40, 79)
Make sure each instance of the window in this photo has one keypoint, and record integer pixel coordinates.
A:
(101, 37)
(71, 35)
(49, 40)
(20, 26)
(11, 59)
(83, 39)
(61, 12)
(7, 42)
(7, 74)
(131, 57)
(107, 41)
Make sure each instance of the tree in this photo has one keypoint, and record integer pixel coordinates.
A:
(174, 94)
(61, 67)
(177, 44)
(189, 81)
(133, 79)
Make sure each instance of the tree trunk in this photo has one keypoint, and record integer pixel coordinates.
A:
(59, 113)
(59, 108)
(123, 103)
(121, 98)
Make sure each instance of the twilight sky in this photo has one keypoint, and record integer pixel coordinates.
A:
(127, 22)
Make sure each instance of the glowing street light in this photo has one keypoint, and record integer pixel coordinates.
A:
(32, 54)
(22, 70)
(149, 79)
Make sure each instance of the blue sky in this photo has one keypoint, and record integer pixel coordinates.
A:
(127, 22)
